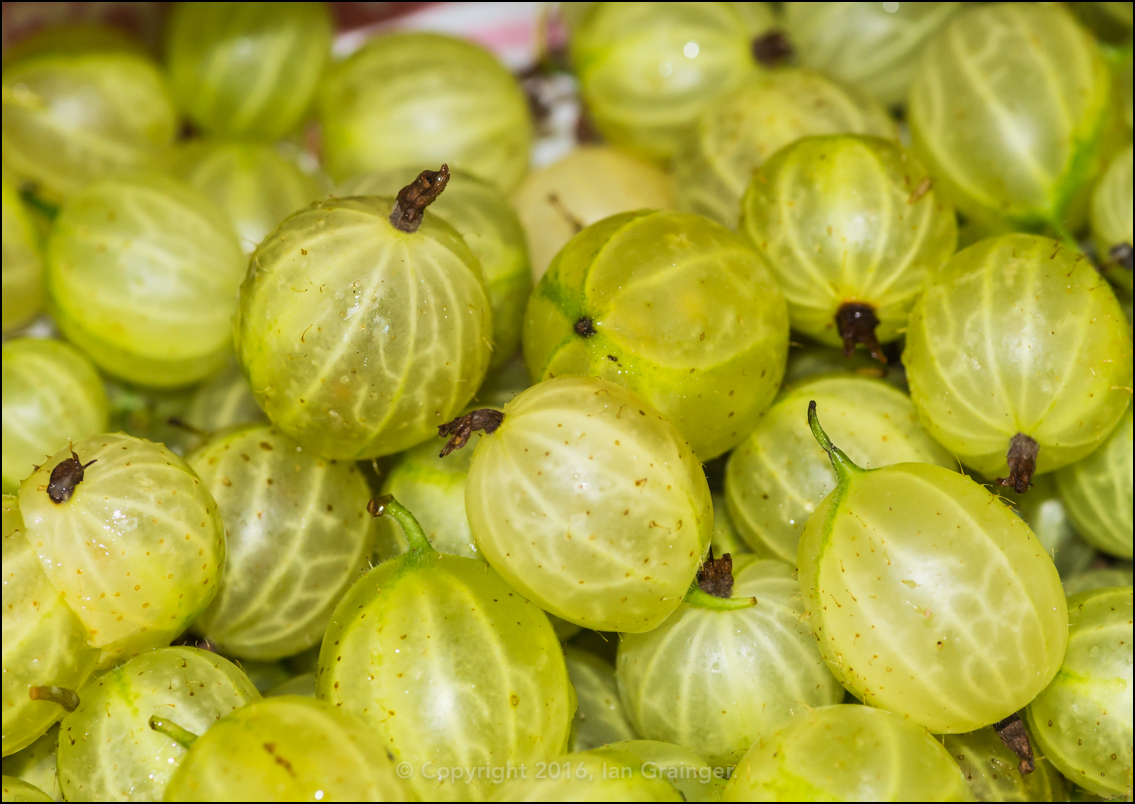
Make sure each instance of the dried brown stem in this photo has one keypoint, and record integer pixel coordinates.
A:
(66, 698)
(461, 428)
(1012, 732)
(1022, 463)
(66, 475)
(715, 576)
(772, 48)
(1120, 254)
(857, 323)
(410, 206)
(584, 327)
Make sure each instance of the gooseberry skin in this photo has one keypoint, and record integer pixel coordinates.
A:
(681, 311)
(1009, 111)
(36, 764)
(1111, 216)
(929, 597)
(609, 773)
(991, 769)
(591, 183)
(287, 748)
(223, 401)
(1119, 575)
(19, 790)
(253, 184)
(451, 666)
(247, 70)
(23, 263)
(1047, 517)
(716, 681)
(51, 394)
(142, 273)
(599, 715)
(691, 775)
(648, 70)
(847, 753)
(1097, 492)
(839, 219)
(44, 642)
(83, 115)
(483, 217)
(606, 530)
(297, 536)
(107, 749)
(806, 360)
(359, 340)
(462, 105)
(778, 476)
(1018, 334)
(726, 539)
(137, 550)
(865, 45)
(1082, 720)
(742, 130)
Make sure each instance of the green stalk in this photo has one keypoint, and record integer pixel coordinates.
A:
(843, 465)
(416, 539)
(182, 737)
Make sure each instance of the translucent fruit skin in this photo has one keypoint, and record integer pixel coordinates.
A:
(779, 475)
(247, 70)
(991, 769)
(254, 185)
(1111, 215)
(1018, 334)
(43, 641)
(742, 130)
(463, 106)
(590, 503)
(482, 215)
(591, 183)
(287, 748)
(610, 773)
(716, 681)
(358, 339)
(838, 219)
(74, 115)
(452, 667)
(297, 534)
(1097, 492)
(23, 263)
(1010, 111)
(107, 750)
(137, 550)
(36, 764)
(684, 313)
(142, 272)
(643, 84)
(599, 715)
(1082, 720)
(847, 753)
(18, 790)
(51, 394)
(864, 45)
(930, 598)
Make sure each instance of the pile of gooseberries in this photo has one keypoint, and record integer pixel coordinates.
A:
(718, 402)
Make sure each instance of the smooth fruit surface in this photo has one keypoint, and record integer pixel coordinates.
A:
(142, 273)
(23, 263)
(51, 395)
(672, 306)
(591, 503)
(359, 339)
(297, 535)
(1018, 334)
(136, 551)
(36, 764)
(1111, 217)
(1097, 492)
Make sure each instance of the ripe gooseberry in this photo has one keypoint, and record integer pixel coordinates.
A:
(672, 306)
(993, 771)
(364, 323)
(19, 790)
(589, 502)
(448, 664)
(247, 70)
(36, 764)
(1111, 221)
(23, 263)
(851, 227)
(128, 536)
(1018, 357)
(51, 395)
(929, 597)
(461, 105)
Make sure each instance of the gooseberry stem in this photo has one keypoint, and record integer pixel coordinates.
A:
(182, 737)
(713, 587)
(410, 206)
(1021, 459)
(463, 427)
(68, 699)
(1013, 734)
(843, 465)
(857, 323)
(415, 536)
(704, 600)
